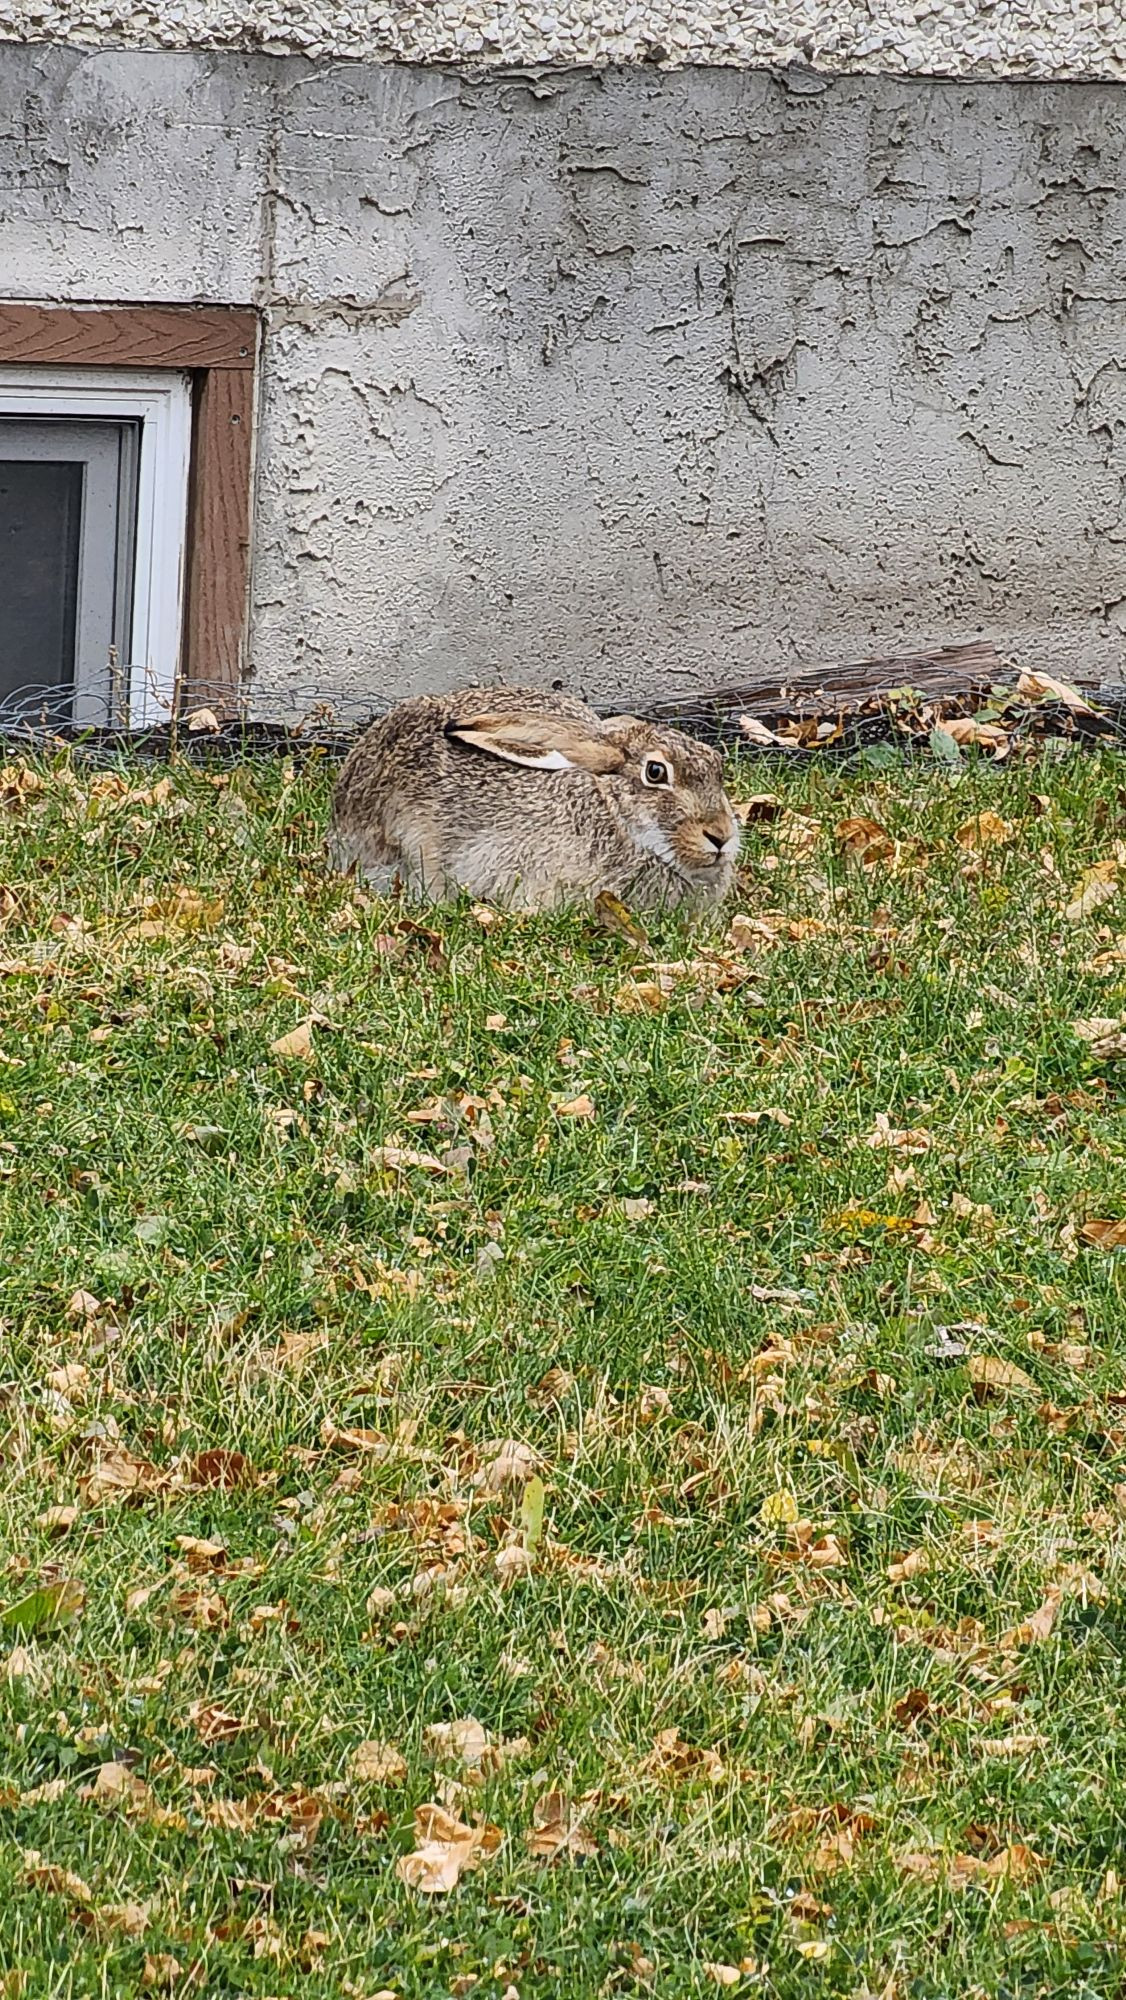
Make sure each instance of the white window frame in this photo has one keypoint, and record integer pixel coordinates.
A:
(161, 400)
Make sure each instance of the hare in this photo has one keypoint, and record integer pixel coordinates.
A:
(532, 801)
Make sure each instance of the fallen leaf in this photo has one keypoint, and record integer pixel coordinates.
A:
(203, 722)
(557, 1829)
(1032, 1631)
(672, 1759)
(446, 1850)
(1105, 1235)
(778, 1509)
(57, 1520)
(1044, 687)
(576, 1107)
(160, 1971)
(985, 829)
(214, 1724)
(83, 1305)
(916, 1563)
(512, 1563)
(45, 1611)
(298, 1044)
(348, 1438)
(398, 1158)
(613, 916)
(865, 840)
(885, 1136)
(723, 1975)
(377, 1763)
(531, 1512)
(966, 729)
(55, 1880)
(225, 1470)
(201, 1555)
(514, 1464)
(1009, 1746)
(1096, 885)
(119, 1475)
(991, 1376)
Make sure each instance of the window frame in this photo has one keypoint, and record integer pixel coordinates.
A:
(162, 403)
(217, 347)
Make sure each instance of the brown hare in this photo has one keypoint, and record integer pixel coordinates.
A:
(533, 801)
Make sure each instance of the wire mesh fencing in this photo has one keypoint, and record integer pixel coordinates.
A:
(936, 703)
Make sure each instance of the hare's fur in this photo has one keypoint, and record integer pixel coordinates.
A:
(533, 801)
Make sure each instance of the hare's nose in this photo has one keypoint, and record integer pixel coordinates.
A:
(718, 840)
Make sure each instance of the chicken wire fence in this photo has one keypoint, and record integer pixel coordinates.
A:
(937, 703)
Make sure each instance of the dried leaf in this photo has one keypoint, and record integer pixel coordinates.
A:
(378, 1763)
(214, 1724)
(985, 829)
(557, 1829)
(865, 840)
(446, 1850)
(56, 1881)
(398, 1158)
(201, 1555)
(1044, 687)
(993, 1377)
(1033, 1631)
(57, 1520)
(1105, 1235)
(884, 1136)
(576, 1107)
(1097, 885)
(160, 1971)
(297, 1045)
(514, 1464)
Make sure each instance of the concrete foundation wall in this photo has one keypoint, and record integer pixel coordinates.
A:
(627, 379)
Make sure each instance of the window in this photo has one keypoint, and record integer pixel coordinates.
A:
(125, 466)
(93, 507)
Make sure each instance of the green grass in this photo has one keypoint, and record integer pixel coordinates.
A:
(715, 1338)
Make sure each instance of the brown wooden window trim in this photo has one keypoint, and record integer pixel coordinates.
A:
(219, 346)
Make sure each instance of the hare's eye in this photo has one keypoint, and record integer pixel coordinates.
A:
(656, 772)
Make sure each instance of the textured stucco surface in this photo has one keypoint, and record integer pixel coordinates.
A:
(1027, 38)
(626, 379)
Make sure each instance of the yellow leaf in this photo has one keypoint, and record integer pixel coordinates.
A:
(985, 829)
(298, 1044)
(778, 1509)
(613, 916)
(815, 1949)
(724, 1975)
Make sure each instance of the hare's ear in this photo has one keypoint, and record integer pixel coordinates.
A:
(542, 742)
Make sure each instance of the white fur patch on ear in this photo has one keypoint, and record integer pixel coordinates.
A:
(539, 742)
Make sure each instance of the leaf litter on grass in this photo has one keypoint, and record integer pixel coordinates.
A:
(754, 1530)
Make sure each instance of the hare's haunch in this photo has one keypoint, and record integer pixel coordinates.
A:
(532, 800)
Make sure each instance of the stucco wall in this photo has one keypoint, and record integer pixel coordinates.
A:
(628, 378)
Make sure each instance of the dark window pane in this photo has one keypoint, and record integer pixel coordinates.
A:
(40, 520)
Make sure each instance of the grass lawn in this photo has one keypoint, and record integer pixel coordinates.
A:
(773, 1252)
